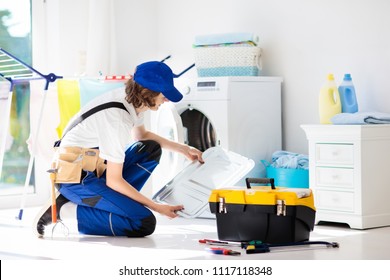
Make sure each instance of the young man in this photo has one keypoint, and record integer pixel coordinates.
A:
(111, 203)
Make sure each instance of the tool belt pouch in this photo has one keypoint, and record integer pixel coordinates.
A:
(70, 161)
(100, 167)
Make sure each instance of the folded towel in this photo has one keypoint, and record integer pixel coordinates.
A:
(361, 118)
(225, 38)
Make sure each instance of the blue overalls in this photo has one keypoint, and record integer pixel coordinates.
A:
(103, 211)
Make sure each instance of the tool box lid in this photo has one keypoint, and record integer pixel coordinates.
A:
(193, 185)
(264, 195)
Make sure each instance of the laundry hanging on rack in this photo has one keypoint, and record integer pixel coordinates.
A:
(68, 102)
(91, 88)
(5, 135)
(50, 119)
(4, 114)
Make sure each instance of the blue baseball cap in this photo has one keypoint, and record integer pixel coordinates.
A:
(157, 76)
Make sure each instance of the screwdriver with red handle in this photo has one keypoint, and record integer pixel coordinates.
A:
(223, 251)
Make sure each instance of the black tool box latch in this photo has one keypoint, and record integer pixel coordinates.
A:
(280, 207)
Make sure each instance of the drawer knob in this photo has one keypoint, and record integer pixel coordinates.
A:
(335, 199)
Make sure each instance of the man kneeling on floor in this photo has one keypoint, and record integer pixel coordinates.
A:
(99, 174)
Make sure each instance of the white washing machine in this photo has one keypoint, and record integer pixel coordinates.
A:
(240, 114)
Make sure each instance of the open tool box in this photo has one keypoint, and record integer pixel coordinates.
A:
(193, 185)
(267, 213)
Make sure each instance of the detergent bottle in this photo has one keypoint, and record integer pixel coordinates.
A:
(329, 101)
(347, 95)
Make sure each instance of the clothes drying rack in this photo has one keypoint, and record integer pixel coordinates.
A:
(16, 72)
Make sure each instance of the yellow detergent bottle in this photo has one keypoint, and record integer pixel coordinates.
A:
(329, 101)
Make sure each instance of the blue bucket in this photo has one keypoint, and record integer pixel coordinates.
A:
(287, 177)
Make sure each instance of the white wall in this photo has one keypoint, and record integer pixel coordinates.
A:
(112, 35)
(303, 41)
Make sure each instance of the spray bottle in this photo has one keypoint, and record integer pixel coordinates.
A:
(329, 100)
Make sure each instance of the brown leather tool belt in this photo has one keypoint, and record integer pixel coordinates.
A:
(69, 162)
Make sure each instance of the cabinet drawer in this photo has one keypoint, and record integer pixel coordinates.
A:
(332, 200)
(335, 177)
(334, 154)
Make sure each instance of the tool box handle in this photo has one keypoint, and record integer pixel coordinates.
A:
(260, 181)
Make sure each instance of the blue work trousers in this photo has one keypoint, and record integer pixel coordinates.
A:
(103, 211)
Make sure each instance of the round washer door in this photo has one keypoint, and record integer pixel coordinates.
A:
(169, 124)
(198, 130)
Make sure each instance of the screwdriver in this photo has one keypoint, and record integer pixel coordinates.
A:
(223, 251)
(219, 242)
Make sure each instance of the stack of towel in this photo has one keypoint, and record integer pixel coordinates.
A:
(227, 54)
(226, 39)
(361, 118)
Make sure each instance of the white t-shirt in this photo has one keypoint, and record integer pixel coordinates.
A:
(108, 129)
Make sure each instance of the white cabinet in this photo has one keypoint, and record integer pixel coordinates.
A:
(349, 170)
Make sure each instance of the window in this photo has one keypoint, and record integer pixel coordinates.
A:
(15, 38)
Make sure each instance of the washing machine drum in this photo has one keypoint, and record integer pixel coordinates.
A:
(199, 131)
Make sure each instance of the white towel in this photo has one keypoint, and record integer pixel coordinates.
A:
(50, 118)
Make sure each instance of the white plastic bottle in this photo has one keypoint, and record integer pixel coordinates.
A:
(329, 100)
(348, 95)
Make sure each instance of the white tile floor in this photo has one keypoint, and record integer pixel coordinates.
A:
(177, 239)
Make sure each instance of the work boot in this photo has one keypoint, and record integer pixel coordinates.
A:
(44, 217)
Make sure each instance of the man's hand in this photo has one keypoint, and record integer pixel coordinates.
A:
(193, 154)
(168, 210)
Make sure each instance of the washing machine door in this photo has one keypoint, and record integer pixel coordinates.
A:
(168, 124)
(198, 129)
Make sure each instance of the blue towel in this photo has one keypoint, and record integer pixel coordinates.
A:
(285, 159)
(224, 38)
(361, 118)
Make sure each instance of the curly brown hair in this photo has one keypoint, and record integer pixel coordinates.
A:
(140, 96)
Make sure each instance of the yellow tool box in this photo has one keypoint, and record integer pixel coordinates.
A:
(265, 213)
